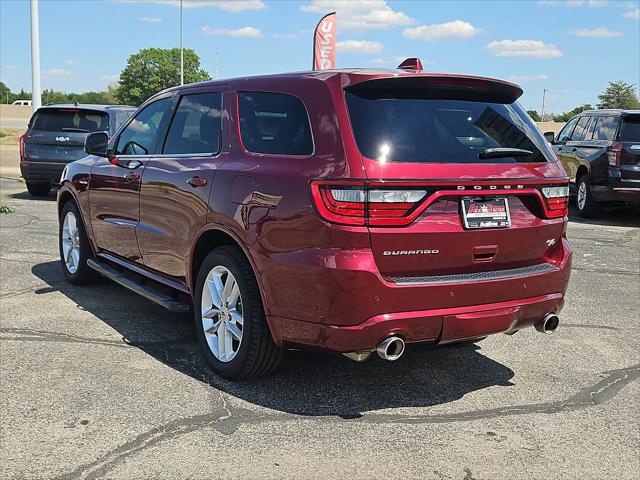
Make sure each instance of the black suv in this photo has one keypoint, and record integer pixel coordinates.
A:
(600, 150)
(55, 136)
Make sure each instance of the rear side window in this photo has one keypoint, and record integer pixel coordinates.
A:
(580, 127)
(70, 120)
(605, 128)
(425, 130)
(274, 123)
(140, 136)
(196, 125)
(630, 129)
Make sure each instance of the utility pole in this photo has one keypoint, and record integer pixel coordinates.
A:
(181, 49)
(36, 100)
(544, 94)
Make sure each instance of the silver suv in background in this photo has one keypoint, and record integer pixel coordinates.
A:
(55, 136)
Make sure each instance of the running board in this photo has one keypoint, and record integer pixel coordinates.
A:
(146, 291)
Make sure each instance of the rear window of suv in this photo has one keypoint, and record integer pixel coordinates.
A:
(424, 130)
(630, 129)
(70, 120)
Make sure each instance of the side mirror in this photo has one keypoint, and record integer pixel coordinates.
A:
(96, 144)
(550, 136)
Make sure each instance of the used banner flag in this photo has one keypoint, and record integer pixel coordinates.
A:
(324, 43)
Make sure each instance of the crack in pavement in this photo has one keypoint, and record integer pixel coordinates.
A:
(227, 420)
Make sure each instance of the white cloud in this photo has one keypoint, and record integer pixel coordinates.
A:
(523, 48)
(286, 36)
(633, 14)
(599, 32)
(57, 73)
(110, 78)
(360, 15)
(70, 61)
(150, 19)
(574, 3)
(379, 61)
(528, 78)
(247, 32)
(358, 46)
(233, 6)
(11, 67)
(450, 30)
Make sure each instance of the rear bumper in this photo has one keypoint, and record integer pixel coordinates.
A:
(42, 172)
(623, 186)
(435, 326)
(364, 309)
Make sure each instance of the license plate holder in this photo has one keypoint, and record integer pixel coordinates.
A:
(486, 213)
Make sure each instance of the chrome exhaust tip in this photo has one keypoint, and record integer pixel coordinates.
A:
(391, 348)
(548, 324)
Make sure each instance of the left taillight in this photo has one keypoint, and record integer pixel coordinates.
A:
(556, 201)
(360, 203)
(22, 154)
(614, 154)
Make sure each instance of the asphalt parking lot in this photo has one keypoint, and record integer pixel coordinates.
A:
(99, 383)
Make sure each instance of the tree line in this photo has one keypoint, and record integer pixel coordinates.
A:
(153, 69)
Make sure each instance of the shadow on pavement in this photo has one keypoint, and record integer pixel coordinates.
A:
(306, 383)
(609, 216)
(27, 196)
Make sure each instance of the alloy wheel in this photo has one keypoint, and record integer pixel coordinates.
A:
(70, 242)
(582, 195)
(221, 312)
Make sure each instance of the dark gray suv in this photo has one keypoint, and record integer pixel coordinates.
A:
(55, 136)
(600, 150)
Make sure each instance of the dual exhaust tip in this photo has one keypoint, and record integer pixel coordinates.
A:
(392, 348)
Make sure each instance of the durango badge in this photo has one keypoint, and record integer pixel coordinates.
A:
(410, 252)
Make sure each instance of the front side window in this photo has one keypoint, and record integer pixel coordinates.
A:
(580, 127)
(274, 123)
(141, 134)
(196, 125)
(566, 131)
(606, 128)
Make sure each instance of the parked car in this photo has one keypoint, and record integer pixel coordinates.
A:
(349, 211)
(23, 103)
(55, 136)
(600, 150)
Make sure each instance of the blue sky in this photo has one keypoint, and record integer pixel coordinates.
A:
(572, 48)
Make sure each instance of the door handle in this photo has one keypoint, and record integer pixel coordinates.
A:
(197, 181)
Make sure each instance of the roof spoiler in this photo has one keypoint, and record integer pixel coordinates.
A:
(436, 86)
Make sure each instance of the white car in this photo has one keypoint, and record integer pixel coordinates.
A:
(22, 102)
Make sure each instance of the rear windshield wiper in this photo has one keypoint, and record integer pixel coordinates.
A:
(503, 152)
(74, 129)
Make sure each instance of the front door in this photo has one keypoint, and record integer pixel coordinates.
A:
(114, 193)
(177, 181)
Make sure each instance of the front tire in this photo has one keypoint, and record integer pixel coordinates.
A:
(230, 322)
(38, 189)
(74, 246)
(587, 206)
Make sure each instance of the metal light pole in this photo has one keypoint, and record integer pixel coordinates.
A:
(181, 49)
(36, 100)
(544, 94)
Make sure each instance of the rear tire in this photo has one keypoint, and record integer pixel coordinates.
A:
(38, 189)
(587, 206)
(229, 317)
(74, 246)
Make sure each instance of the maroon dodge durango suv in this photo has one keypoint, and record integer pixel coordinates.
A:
(350, 211)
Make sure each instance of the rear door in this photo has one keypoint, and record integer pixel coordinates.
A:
(177, 181)
(429, 147)
(114, 190)
(629, 140)
(57, 135)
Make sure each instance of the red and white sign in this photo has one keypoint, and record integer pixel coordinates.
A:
(324, 43)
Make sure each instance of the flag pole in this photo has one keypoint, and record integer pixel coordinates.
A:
(36, 99)
(181, 49)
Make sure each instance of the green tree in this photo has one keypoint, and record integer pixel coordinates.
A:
(565, 117)
(534, 115)
(154, 69)
(5, 93)
(619, 95)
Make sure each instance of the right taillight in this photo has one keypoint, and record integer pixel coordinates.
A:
(614, 153)
(556, 201)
